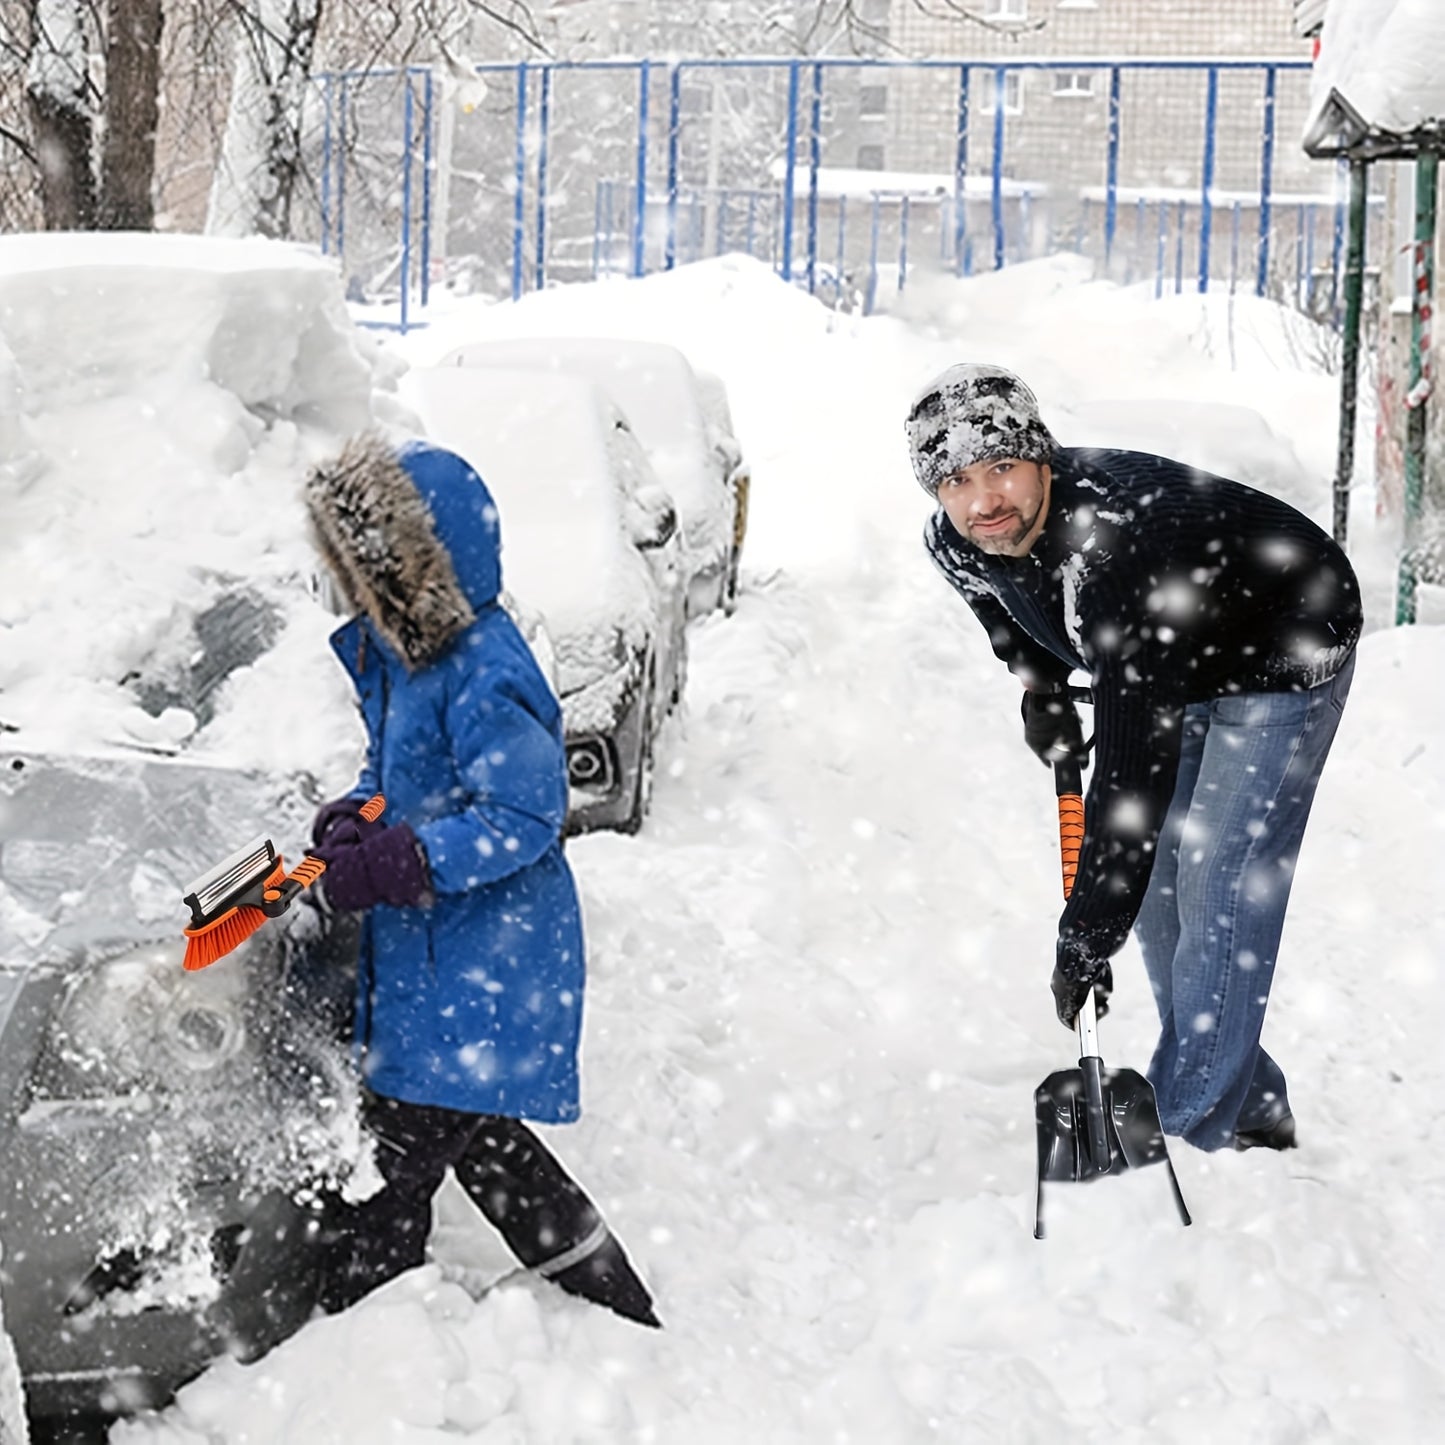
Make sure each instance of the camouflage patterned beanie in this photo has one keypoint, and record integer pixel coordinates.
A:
(971, 413)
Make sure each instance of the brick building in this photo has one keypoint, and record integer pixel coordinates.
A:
(1057, 120)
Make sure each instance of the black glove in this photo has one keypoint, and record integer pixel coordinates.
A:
(1072, 988)
(1051, 726)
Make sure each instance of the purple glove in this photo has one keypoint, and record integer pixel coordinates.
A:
(340, 821)
(389, 867)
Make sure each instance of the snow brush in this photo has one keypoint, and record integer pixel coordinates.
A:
(229, 903)
(1092, 1121)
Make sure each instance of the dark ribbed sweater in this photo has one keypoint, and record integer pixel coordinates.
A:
(1167, 586)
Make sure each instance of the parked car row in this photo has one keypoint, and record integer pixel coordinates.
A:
(166, 1133)
(623, 497)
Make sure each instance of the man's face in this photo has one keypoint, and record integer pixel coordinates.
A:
(998, 505)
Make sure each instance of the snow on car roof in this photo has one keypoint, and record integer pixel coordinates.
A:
(656, 387)
(539, 442)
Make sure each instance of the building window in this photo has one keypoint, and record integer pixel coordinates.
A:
(1074, 82)
(870, 158)
(873, 100)
(1013, 92)
(1006, 10)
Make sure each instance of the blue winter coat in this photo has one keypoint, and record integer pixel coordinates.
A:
(473, 1002)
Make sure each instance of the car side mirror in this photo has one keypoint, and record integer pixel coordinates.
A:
(654, 518)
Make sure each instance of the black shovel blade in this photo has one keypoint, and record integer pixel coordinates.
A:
(1075, 1148)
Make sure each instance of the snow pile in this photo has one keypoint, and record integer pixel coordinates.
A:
(1383, 58)
(160, 400)
(818, 1005)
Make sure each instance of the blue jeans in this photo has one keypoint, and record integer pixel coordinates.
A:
(1212, 917)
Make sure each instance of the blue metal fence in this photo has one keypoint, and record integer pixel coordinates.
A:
(624, 175)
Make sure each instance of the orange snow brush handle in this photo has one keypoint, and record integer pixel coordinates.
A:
(373, 809)
(1069, 785)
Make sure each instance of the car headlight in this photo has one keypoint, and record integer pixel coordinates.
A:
(136, 1022)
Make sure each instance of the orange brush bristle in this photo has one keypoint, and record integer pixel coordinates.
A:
(206, 944)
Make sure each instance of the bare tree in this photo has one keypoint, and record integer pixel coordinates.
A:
(260, 161)
(62, 106)
(132, 95)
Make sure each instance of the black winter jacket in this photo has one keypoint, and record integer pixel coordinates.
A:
(1167, 586)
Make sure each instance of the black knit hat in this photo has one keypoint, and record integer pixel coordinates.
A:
(971, 413)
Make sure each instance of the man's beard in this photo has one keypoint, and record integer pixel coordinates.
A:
(1005, 541)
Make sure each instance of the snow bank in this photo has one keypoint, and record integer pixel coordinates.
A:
(160, 399)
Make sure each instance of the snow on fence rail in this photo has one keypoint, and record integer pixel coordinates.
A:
(847, 175)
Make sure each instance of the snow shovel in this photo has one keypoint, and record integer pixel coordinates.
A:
(1092, 1121)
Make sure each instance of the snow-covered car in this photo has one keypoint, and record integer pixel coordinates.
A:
(590, 540)
(166, 693)
(158, 1126)
(682, 419)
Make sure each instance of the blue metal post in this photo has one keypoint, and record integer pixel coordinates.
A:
(407, 116)
(1299, 255)
(999, 76)
(342, 109)
(1266, 180)
(674, 134)
(596, 226)
(544, 121)
(1179, 249)
(902, 242)
(519, 215)
(1206, 205)
(815, 156)
(1234, 250)
(1159, 252)
(639, 218)
(792, 146)
(960, 173)
(1111, 183)
(428, 110)
(871, 296)
(326, 98)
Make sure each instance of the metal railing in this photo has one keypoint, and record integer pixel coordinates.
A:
(571, 170)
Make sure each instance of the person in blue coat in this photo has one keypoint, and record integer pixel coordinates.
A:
(472, 973)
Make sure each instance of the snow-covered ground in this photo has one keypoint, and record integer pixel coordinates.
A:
(819, 998)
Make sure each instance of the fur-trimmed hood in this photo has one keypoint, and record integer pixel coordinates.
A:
(411, 537)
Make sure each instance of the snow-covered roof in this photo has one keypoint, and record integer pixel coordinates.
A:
(657, 390)
(1378, 87)
(539, 442)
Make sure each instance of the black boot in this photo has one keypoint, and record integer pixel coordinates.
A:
(604, 1275)
(1279, 1135)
